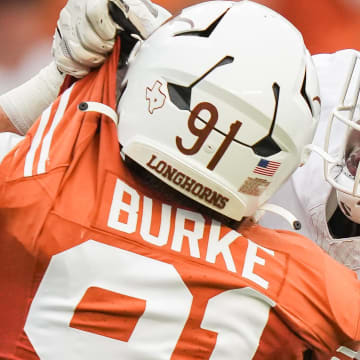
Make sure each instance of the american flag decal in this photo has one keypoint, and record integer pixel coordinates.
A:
(267, 168)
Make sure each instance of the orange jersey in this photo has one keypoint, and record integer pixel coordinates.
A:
(94, 265)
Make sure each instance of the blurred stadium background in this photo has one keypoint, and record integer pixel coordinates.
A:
(27, 26)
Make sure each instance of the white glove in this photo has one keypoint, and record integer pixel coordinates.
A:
(84, 36)
(86, 31)
(140, 17)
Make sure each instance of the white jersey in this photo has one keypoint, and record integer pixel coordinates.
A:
(307, 194)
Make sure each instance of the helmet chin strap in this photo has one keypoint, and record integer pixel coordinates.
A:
(287, 215)
(319, 150)
(91, 106)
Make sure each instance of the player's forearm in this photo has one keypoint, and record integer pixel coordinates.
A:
(84, 37)
(20, 107)
(5, 123)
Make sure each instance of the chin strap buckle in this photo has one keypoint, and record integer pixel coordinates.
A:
(286, 214)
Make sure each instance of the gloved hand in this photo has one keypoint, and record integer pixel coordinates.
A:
(86, 30)
(83, 39)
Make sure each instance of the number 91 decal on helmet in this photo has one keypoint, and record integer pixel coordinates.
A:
(219, 103)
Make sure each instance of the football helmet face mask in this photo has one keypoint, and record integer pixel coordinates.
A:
(219, 103)
(342, 145)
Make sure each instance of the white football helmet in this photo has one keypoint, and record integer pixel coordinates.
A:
(342, 144)
(219, 103)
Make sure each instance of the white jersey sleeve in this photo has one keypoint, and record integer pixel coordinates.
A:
(8, 142)
(306, 194)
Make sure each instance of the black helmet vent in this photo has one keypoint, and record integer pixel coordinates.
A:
(180, 96)
(267, 146)
(204, 33)
(305, 95)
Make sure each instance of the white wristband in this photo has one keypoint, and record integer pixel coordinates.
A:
(24, 104)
